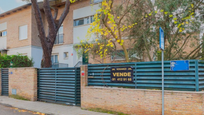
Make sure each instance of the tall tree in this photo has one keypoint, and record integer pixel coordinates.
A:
(47, 40)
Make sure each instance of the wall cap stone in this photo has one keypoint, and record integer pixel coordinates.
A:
(23, 68)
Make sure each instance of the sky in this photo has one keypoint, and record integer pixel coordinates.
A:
(6, 5)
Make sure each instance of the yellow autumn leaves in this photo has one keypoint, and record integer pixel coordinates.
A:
(72, 1)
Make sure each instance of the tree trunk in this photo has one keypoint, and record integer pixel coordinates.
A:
(126, 54)
(47, 59)
(47, 42)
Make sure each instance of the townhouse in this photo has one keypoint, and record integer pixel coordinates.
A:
(19, 34)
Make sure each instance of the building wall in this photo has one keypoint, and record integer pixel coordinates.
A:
(3, 42)
(26, 17)
(26, 50)
(3, 39)
(72, 56)
(24, 80)
(33, 52)
(14, 20)
(36, 55)
(68, 22)
(83, 32)
(68, 30)
(140, 101)
(35, 40)
(80, 32)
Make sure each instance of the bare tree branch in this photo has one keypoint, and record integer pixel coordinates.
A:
(49, 18)
(64, 14)
(39, 22)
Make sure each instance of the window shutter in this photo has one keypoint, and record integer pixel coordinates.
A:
(23, 32)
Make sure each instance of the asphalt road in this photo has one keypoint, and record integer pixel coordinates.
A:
(6, 110)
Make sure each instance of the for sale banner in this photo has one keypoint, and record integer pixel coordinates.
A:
(122, 75)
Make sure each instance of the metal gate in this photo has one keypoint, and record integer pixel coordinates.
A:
(60, 85)
(5, 83)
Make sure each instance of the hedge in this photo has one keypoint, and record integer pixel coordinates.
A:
(18, 61)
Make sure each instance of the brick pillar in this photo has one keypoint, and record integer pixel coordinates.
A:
(84, 82)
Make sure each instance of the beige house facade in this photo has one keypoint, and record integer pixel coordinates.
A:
(19, 34)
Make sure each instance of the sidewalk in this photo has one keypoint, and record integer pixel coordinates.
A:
(47, 108)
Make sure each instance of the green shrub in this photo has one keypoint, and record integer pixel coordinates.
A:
(18, 61)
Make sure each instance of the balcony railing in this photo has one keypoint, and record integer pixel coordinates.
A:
(59, 39)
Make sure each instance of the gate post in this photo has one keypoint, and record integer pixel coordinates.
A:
(84, 78)
(84, 81)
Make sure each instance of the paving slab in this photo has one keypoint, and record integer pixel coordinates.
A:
(48, 108)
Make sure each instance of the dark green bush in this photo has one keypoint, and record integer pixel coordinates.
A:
(18, 61)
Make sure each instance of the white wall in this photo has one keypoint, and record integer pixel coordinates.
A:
(60, 49)
(32, 52)
(3, 40)
(36, 54)
(20, 50)
(85, 11)
(80, 32)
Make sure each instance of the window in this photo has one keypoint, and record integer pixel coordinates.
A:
(87, 20)
(23, 32)
(60, 37)
(79, 22)
(66, 55)
(92, 19)
(96, 1)
(119, 55)
(83, 21)
(55, 59)
(3, 33)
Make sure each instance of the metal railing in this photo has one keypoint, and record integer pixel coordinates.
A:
(78, 64)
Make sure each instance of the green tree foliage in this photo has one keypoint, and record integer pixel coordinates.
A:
(18, 61)
(181, 22)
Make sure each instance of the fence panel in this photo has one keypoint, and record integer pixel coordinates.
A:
(147, 75)
(5, 82)
(60, 85)
(99, 74)
(201, 74)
